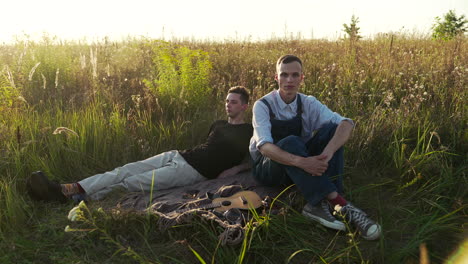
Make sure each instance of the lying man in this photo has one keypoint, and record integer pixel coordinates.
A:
(220, 156)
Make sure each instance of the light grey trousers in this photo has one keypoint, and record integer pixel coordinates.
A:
(166, 170)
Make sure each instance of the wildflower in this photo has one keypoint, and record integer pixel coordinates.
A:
(76, 213)
(389, 98)
(73, 214)
(82, 205)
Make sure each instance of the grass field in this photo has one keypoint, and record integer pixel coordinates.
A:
(115, 103)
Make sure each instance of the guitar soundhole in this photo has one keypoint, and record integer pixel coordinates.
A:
(226, 203)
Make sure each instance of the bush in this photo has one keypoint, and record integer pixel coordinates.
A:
(450, 27)
(182, 74)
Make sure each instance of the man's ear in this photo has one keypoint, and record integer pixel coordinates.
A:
(245, 106)
(276, 77)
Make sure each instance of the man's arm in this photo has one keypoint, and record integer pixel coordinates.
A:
(341, 136)
(234, 170)
(315, 165)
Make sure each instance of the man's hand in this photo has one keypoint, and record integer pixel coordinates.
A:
(315, 165)
(228, 173)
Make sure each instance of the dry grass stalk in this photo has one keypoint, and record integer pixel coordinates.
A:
(423, 254)
(44, 81)
(10, 76)
(82, 61)
(57, 77)
(31, 73)
(64, 130)
(93, 61)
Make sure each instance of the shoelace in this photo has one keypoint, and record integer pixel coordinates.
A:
(327, 209)
(357, 216)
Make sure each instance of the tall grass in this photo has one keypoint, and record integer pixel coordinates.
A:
(73, 109)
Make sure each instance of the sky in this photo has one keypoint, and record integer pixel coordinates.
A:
(216, 19)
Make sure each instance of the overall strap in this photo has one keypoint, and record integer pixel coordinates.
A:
(298, 111)
(272, 116)
(299, 106)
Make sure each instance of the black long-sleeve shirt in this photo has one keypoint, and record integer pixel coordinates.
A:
(226, 146)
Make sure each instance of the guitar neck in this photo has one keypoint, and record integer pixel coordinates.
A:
(207, 206)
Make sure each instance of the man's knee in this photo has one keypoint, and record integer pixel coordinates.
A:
(292, 144)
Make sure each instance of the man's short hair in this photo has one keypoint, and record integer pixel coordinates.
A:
(287, 59)
(244, 94)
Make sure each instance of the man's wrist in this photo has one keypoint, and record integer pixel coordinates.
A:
(296, 160)
(329, 154)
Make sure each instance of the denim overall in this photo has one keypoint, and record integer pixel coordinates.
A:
(283, 128)
(287, 136)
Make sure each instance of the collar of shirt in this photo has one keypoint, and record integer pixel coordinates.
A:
(284, 106)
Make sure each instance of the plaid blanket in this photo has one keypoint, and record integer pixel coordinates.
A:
(179, 205)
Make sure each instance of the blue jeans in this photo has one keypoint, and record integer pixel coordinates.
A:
(314, 188)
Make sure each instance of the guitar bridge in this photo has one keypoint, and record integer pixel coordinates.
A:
(244, 201)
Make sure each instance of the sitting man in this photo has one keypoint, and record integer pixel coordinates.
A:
(299, 140)
(222, 155)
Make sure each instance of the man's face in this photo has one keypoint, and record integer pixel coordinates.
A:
(234, 105)
(289, 77)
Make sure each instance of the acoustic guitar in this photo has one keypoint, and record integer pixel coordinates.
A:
(240, 200)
